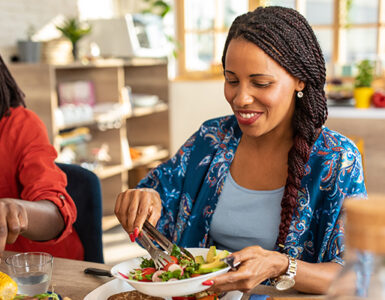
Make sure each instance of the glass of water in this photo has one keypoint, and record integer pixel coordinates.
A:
(32, 272)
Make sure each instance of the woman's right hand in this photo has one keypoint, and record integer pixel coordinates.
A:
(134, 206)
(13, 221)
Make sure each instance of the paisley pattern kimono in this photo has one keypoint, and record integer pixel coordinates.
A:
(190, 183)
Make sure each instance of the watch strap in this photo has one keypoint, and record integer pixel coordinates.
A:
(290, 272)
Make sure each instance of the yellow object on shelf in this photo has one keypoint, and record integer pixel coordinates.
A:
(363, 96)
(8, 287)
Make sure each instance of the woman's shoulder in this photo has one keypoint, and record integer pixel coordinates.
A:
(22, 120)
(330, 141)
(23, 116)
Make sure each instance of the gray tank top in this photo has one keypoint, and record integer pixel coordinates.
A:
(246, 217)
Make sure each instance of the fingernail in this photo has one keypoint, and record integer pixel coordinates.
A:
(208, 282)
(136, 232)
(132, 237)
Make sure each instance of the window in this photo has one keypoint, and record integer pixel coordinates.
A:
(203, 27)
(341, 26)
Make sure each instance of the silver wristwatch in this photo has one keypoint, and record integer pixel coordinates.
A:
(286, 281)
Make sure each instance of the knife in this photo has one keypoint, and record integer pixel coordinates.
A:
(97, 272)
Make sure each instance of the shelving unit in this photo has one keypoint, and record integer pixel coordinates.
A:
(356, 113)
(143, 126)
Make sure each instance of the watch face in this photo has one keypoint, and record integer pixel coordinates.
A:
(285, 283)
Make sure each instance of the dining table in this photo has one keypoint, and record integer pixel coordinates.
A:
(69, 280)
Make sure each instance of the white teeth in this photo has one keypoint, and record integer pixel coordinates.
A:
(247, 116)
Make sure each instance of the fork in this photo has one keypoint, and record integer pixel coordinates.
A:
(164, 242)
(160, 258)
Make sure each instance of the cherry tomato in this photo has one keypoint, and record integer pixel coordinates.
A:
(143, 272)
(174, 259)
(146, 271)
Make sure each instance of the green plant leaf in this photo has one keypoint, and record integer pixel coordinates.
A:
(364, 77)
(74, 30)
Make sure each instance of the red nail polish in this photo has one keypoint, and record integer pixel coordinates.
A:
(132, 237)
(208, 282)
(136, 232)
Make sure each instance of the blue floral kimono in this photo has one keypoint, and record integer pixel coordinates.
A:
(190, 183)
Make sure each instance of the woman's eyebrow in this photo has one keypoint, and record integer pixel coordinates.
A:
(258, 75)
(251, 75)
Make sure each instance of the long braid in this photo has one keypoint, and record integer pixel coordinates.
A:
(10, 93)
(286, 37)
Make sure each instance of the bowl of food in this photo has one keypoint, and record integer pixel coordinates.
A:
(182, 276)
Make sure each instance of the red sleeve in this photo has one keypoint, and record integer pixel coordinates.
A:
(38, 175)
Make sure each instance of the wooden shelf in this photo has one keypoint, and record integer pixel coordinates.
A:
(344, 112)
(136, 112)
(145, 160)
(143, 126)
(109, 171)
(143, 111)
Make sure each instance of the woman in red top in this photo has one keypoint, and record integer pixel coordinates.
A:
(36, 213)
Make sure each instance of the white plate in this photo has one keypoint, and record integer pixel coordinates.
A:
(108, 289)
(169, 288)
(119, 286)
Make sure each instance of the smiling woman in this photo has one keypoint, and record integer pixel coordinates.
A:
(267, 182)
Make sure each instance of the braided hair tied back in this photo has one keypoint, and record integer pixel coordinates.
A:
(286, 36)
(10, 93)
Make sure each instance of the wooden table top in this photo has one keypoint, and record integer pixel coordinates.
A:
(69, 280)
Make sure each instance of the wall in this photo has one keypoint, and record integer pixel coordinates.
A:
(16, 16)
(191, 103)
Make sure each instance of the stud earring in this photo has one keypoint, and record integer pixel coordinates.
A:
(300, 94)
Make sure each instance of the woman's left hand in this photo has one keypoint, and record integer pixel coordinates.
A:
(256, 265)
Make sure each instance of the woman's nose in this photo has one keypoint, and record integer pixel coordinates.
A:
(243, 97)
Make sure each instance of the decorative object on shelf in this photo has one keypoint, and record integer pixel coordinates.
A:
(57, 52)
(109, 115)
(74, 31)
(101, 154)
(29, 50)
(144, 100)
(339, 93)
(76, 92)
(162, 8)
(71, 115)
(378, 99)
(363, 90)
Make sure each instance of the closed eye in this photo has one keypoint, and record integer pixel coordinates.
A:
(261, 85)
(232, 81)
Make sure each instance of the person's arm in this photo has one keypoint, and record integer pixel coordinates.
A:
(42, 228)
(39, 220)
(258, 264)
(134, 206)
(315, 278)
(51, 211)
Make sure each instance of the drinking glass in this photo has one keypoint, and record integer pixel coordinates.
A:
(32, 271)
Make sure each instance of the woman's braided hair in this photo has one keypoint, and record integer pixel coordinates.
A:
(286, 36)
(10, 93)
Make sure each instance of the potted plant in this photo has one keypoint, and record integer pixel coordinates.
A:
(74, 31)
(29, 50)
(363, 90)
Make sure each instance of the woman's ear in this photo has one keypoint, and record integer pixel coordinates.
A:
(300, 85)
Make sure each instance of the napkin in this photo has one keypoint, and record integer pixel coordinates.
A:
(233, 295)
(258, 297)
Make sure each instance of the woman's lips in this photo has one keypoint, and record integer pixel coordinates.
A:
(247, 117)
